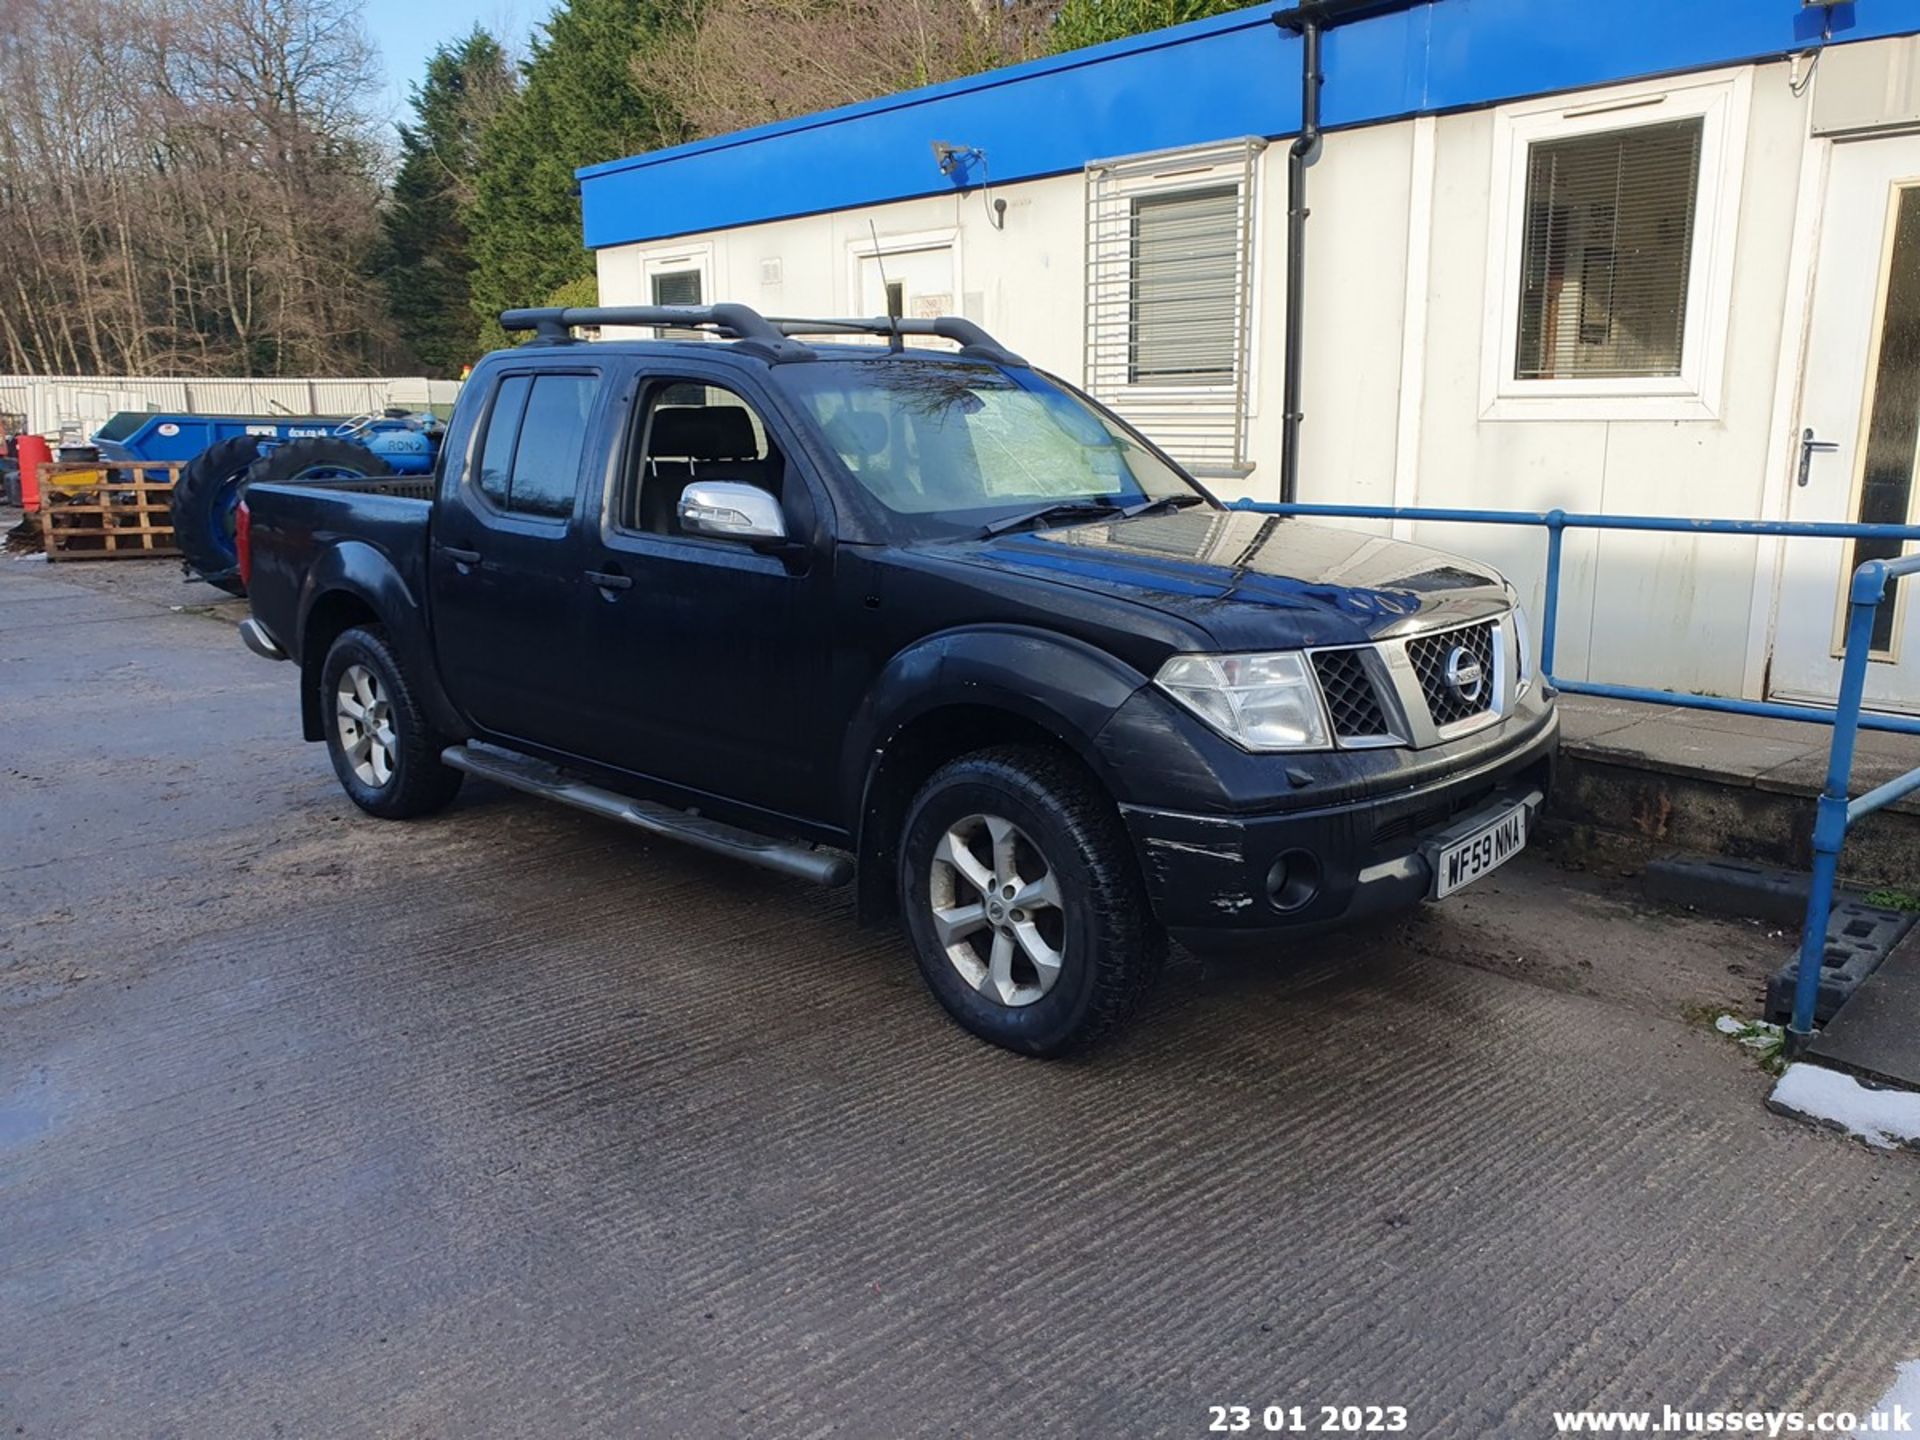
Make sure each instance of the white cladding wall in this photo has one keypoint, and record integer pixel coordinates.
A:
(1669, 611)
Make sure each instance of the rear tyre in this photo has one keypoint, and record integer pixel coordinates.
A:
(1025, 906)
(385, 751)
(204, 501)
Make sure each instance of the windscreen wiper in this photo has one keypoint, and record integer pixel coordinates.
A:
(1059, 510)
(1164, 502)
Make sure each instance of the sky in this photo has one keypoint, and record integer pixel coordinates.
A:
(405, 32)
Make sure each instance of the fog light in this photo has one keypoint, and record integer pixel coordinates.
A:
(1294, 880)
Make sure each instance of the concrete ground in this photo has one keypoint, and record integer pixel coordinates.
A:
(510, 1123)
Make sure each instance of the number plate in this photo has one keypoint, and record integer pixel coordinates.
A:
(1488, 848)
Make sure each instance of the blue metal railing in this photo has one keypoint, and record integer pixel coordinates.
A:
(1835, 811)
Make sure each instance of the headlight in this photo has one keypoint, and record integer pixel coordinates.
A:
(1263, 702)
(1522, 645)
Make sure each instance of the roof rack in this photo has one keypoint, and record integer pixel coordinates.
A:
(972, 340)
(554, 325)
(756, 332)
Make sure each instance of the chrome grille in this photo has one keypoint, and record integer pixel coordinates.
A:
(1429, 655)
(1353, 705)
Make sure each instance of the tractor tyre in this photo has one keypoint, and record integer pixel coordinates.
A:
(319, 457)
(204, 502)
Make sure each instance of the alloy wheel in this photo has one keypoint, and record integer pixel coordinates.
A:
(363, 716)
(997, 910)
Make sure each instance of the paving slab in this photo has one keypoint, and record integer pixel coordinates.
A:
(1682, 748)
(1587, 718)
(1872, 765)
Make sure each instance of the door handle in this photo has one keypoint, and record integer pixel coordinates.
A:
(610, 580)
(1808, 445)
(459, 556)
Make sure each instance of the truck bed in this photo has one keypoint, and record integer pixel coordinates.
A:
(328, 528)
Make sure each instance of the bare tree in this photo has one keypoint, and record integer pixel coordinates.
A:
(187, 185)
(807, 55)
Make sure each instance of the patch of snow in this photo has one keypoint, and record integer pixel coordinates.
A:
(1902, 1399)
(1880, 1117)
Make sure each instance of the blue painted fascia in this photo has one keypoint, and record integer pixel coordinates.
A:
(966, 85)
(1210, 80)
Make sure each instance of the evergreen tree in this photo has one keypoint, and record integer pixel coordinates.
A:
(579, 104)
(425, 262)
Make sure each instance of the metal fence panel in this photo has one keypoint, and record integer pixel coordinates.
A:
(83, 403)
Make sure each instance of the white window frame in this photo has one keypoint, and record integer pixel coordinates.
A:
(1720, 99)
(697, 257)
(1170, 173)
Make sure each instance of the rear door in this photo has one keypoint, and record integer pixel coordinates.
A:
(506, 555)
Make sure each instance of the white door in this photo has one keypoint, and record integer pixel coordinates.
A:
(1861, 396)
(912, 284)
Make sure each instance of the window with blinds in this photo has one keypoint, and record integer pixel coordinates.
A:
(1607, 247)
(1183, 287)
(1169, 283)
(675, 287)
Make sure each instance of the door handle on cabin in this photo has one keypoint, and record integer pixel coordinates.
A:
(459, 556)
(1807, 447)
(610, 580)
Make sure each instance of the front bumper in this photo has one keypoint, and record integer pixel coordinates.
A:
(1208, 876)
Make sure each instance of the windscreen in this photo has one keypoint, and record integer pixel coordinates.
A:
(945, 446)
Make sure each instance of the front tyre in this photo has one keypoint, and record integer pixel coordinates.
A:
(1023, 901)
(384, 750)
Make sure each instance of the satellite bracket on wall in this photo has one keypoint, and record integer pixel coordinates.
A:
(954, 160)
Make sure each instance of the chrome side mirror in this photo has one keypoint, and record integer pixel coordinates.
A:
(731, 510)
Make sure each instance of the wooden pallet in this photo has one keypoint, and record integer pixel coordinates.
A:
(106, 511)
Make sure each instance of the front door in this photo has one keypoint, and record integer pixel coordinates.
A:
(1858, 437)
(712, 659)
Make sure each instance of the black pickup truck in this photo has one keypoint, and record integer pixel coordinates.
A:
(916, 617)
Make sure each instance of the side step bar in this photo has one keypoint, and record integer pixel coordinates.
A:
(536, 777)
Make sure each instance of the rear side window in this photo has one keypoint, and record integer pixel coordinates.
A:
(503, 429)
(536, 433)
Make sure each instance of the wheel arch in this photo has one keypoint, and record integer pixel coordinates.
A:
(330, 616)
(959, 692)
(353, 583)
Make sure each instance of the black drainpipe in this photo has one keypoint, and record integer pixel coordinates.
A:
(1308, 21)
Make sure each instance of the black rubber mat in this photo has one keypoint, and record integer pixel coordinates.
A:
(1877, 1033)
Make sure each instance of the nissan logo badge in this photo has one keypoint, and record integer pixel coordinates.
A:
(1464, 675)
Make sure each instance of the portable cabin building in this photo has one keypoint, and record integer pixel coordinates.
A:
(1635, 257)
